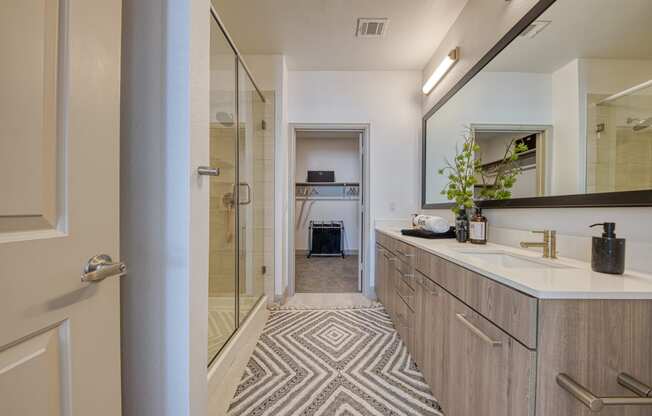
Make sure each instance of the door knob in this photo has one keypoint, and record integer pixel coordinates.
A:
(100, 267)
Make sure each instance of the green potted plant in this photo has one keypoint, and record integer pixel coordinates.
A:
(461, 174)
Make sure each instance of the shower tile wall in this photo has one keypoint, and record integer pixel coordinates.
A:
(222, 214)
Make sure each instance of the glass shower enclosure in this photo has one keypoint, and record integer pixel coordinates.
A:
(241, 257)
(619, 140)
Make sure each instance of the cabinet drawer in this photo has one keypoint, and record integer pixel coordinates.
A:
(404, 252)
(492, 374)
(384, 240)
(405, 324)
(406, 293)
(511, 310)
(405, 272)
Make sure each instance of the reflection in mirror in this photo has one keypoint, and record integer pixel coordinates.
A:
(575, 88)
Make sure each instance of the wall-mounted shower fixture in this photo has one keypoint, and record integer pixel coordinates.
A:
(639, 124)
(225, 119)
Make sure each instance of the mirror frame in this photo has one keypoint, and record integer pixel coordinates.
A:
(642, 198)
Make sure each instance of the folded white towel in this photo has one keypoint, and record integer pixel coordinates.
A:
(431, 223)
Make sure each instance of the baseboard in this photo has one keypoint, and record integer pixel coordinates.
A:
(346, 252)
(225, 373)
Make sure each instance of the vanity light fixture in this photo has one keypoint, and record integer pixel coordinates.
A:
(443, 68)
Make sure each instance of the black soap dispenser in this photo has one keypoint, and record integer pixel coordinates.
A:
(608, 253)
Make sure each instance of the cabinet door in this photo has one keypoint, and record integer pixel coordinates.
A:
(434, 330)
(489, 372)
(593, 341)
(420, 323)
(381, 267)
(390, 288)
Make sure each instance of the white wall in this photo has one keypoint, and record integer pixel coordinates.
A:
(341, 155)
(479, 26)
(609, 76)
(390, 102)
(164, 207)
(566, 173)
(490, 98)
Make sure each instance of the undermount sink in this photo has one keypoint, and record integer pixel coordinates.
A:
(513, 261)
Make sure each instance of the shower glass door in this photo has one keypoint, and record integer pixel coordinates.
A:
(256, 162)
(241, 246)
(222, 285)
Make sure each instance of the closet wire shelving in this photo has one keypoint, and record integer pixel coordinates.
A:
(345, 191)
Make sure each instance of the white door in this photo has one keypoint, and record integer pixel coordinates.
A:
(59, 183)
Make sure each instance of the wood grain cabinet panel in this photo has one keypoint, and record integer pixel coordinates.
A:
(406, 272)
(384, 241)
(489, 373)
(405, 252)
(592, 341)
(431, 332)
(508, 308)
(406, 292)
(381, 271)
(391, 278)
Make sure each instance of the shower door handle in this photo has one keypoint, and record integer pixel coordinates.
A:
(248, 200)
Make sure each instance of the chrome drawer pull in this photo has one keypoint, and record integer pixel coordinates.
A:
(404, 254)
(477, 331)
(596, 404)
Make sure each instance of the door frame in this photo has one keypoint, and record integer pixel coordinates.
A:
(544, 134)
(365, 224)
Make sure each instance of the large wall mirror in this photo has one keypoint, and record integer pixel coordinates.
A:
(571, 87)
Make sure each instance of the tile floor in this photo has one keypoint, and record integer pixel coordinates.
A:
(328, 300)
(338, 362)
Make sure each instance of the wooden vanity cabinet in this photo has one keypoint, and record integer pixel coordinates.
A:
(488, 349)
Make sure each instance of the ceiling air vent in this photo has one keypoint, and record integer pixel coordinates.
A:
(371, 28)
(534, 29)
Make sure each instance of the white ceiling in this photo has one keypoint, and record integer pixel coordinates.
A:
(320, 34)
(613, 29)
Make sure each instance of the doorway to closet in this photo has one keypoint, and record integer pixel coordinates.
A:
(328, 183)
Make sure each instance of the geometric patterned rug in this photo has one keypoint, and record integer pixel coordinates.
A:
(332, 362)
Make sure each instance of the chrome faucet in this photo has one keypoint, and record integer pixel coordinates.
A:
(549, 243)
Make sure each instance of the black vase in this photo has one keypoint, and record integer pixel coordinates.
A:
(462, 227)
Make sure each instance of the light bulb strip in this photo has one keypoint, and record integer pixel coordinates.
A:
(441, 70)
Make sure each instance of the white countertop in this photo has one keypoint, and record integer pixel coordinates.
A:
(577, 281)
